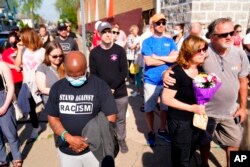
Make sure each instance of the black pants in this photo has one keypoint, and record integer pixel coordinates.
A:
(18, 86)
(185, 140)
(33, 115)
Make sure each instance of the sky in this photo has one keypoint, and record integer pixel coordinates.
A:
(48, 11)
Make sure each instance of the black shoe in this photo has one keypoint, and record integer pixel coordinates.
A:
(151, 139)
(123, 146)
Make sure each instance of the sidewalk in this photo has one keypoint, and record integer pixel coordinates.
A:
(42, 152)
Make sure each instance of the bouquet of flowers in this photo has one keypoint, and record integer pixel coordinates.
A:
(205, 86)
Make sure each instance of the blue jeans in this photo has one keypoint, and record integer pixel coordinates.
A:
(8, 128)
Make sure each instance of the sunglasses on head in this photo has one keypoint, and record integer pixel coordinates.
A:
(158, 23)
(57, 56)
(224, 35)
(116, 32)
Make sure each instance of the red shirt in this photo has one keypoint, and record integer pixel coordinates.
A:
(8, 57)
(96, 39)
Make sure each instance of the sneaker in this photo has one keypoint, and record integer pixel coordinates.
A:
(135, 94)
(123, 146)
(35, 132)
(164, 135)
(151, 139)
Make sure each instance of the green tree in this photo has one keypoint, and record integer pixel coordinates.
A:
(67, 10)
(29, 7)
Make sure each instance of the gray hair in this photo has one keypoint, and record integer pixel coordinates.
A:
(212, 25)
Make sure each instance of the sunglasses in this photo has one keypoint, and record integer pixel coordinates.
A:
(158, 23)
(204, 50)
(224, 35)
(57, 56)
(106, 31)
(63, 29)
(116, 32)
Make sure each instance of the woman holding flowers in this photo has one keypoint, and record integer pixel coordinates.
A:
(182, 103)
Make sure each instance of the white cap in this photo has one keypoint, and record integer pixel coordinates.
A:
(97, 24)
(246, 39)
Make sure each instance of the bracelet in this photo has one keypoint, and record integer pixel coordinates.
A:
(63, 134)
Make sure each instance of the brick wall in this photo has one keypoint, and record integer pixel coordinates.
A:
(205, 11)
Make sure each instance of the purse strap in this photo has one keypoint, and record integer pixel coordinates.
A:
(4, 82)
(5, 86)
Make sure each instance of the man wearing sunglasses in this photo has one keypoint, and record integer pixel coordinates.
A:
(231, 65)
(67, 43)
(158, 52)
(109, 62)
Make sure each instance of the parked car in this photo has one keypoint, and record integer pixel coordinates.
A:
(3, 40)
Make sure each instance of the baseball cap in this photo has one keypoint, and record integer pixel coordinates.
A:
(102, 26)
(246, 39)
(157, 17)
(61, 26)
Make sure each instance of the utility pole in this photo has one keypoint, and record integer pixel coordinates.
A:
(83, 28)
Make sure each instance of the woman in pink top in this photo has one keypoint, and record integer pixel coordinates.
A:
(237, 37)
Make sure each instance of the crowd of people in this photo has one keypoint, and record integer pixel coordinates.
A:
(87, 108)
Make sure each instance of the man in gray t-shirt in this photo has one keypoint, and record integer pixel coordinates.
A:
(67, 43)
(231, 65)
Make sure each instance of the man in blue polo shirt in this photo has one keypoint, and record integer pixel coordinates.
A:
(159, 52)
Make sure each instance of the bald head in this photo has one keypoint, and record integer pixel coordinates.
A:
(75, 64)
(195, 29)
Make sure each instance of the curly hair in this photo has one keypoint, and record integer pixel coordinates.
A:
(49, 48)
(31, 39)
(189, 47)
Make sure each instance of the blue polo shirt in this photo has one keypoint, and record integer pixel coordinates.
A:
(161, 47)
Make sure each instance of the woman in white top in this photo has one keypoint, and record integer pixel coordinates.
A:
(133, 48)
(30, 55)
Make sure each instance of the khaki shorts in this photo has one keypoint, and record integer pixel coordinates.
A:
(225, 131)
(151, 95)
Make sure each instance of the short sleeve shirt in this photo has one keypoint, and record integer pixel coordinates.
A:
(161, 47)
(75, 106)
(51, 77)
(185, 94)
(229, 69)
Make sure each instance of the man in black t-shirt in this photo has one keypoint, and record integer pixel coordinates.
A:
(73, 102)
(109, 62)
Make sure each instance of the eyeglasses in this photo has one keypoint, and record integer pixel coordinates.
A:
(57, 56)
(224, 35)
(116, 32)
(158, 23)
(106, 31)
(204, 50)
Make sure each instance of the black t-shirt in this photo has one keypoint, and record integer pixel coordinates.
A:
(111, 66)
(75, 106)
(185, 94)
